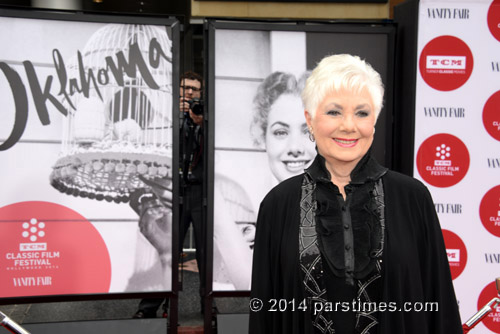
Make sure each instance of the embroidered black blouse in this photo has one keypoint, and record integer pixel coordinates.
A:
(415, 266)
(350, 235)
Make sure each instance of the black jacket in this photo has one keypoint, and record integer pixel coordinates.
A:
(415, 266)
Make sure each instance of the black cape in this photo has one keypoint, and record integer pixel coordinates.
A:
(415, 266)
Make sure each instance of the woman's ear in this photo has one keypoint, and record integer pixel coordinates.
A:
(308, 119)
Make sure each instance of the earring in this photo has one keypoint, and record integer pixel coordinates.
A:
(311, 135)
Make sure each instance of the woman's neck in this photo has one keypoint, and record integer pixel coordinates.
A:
(340, 173)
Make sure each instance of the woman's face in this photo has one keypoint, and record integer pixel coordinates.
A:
(288, 147)
(343, 126)
(248, 232)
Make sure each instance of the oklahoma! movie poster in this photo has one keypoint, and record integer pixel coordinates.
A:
(86, 115)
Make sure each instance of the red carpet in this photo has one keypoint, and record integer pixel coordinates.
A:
(190, 330)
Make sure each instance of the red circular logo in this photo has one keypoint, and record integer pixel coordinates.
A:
(492, 320)
(491, 115)
(494, 19)
(50, 250)
(456, 251)
(446, 63)
(489, 211)
(442, 160)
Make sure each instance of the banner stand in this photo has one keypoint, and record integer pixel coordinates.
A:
(99, 92)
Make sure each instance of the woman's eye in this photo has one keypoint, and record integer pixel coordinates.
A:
(333, 112)
(362, 113)
(248, 230)
(280, 133)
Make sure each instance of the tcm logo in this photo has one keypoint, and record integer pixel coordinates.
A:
(24, 247)
(453, 255)
(446, 62)
(443, 153)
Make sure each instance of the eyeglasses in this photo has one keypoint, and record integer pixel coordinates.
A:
(194, 89)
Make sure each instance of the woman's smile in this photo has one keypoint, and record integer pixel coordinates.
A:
(296, 166)
(345, 142)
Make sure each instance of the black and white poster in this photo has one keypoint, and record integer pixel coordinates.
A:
(86, 116)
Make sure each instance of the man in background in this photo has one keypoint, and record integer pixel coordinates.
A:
(191, 181)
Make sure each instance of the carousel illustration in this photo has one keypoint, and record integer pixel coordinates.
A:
(118, 134)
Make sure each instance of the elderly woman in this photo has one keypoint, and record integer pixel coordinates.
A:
(349, 246)
(279, 125)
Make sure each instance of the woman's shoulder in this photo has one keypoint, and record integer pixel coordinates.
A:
(406, 180)
(286, 190)
(395, 181)
(280, 206)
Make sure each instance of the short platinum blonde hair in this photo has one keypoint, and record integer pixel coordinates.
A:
(338, 72)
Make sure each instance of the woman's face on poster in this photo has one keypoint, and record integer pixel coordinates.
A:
(288, 147)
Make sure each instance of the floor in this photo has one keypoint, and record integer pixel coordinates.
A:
(190, 317)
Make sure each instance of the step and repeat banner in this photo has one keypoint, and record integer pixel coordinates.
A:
(86, 116)
(457, 141)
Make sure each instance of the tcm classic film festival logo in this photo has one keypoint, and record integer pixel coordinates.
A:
(492, 320)
(489, 211)
(491, 115)
(494, 19)
(446, 63)
(50, 249)
(443, 160)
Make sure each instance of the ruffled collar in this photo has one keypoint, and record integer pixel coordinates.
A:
(367, 169)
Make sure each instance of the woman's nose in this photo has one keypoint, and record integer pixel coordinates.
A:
(296, 146)
(347, 123)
